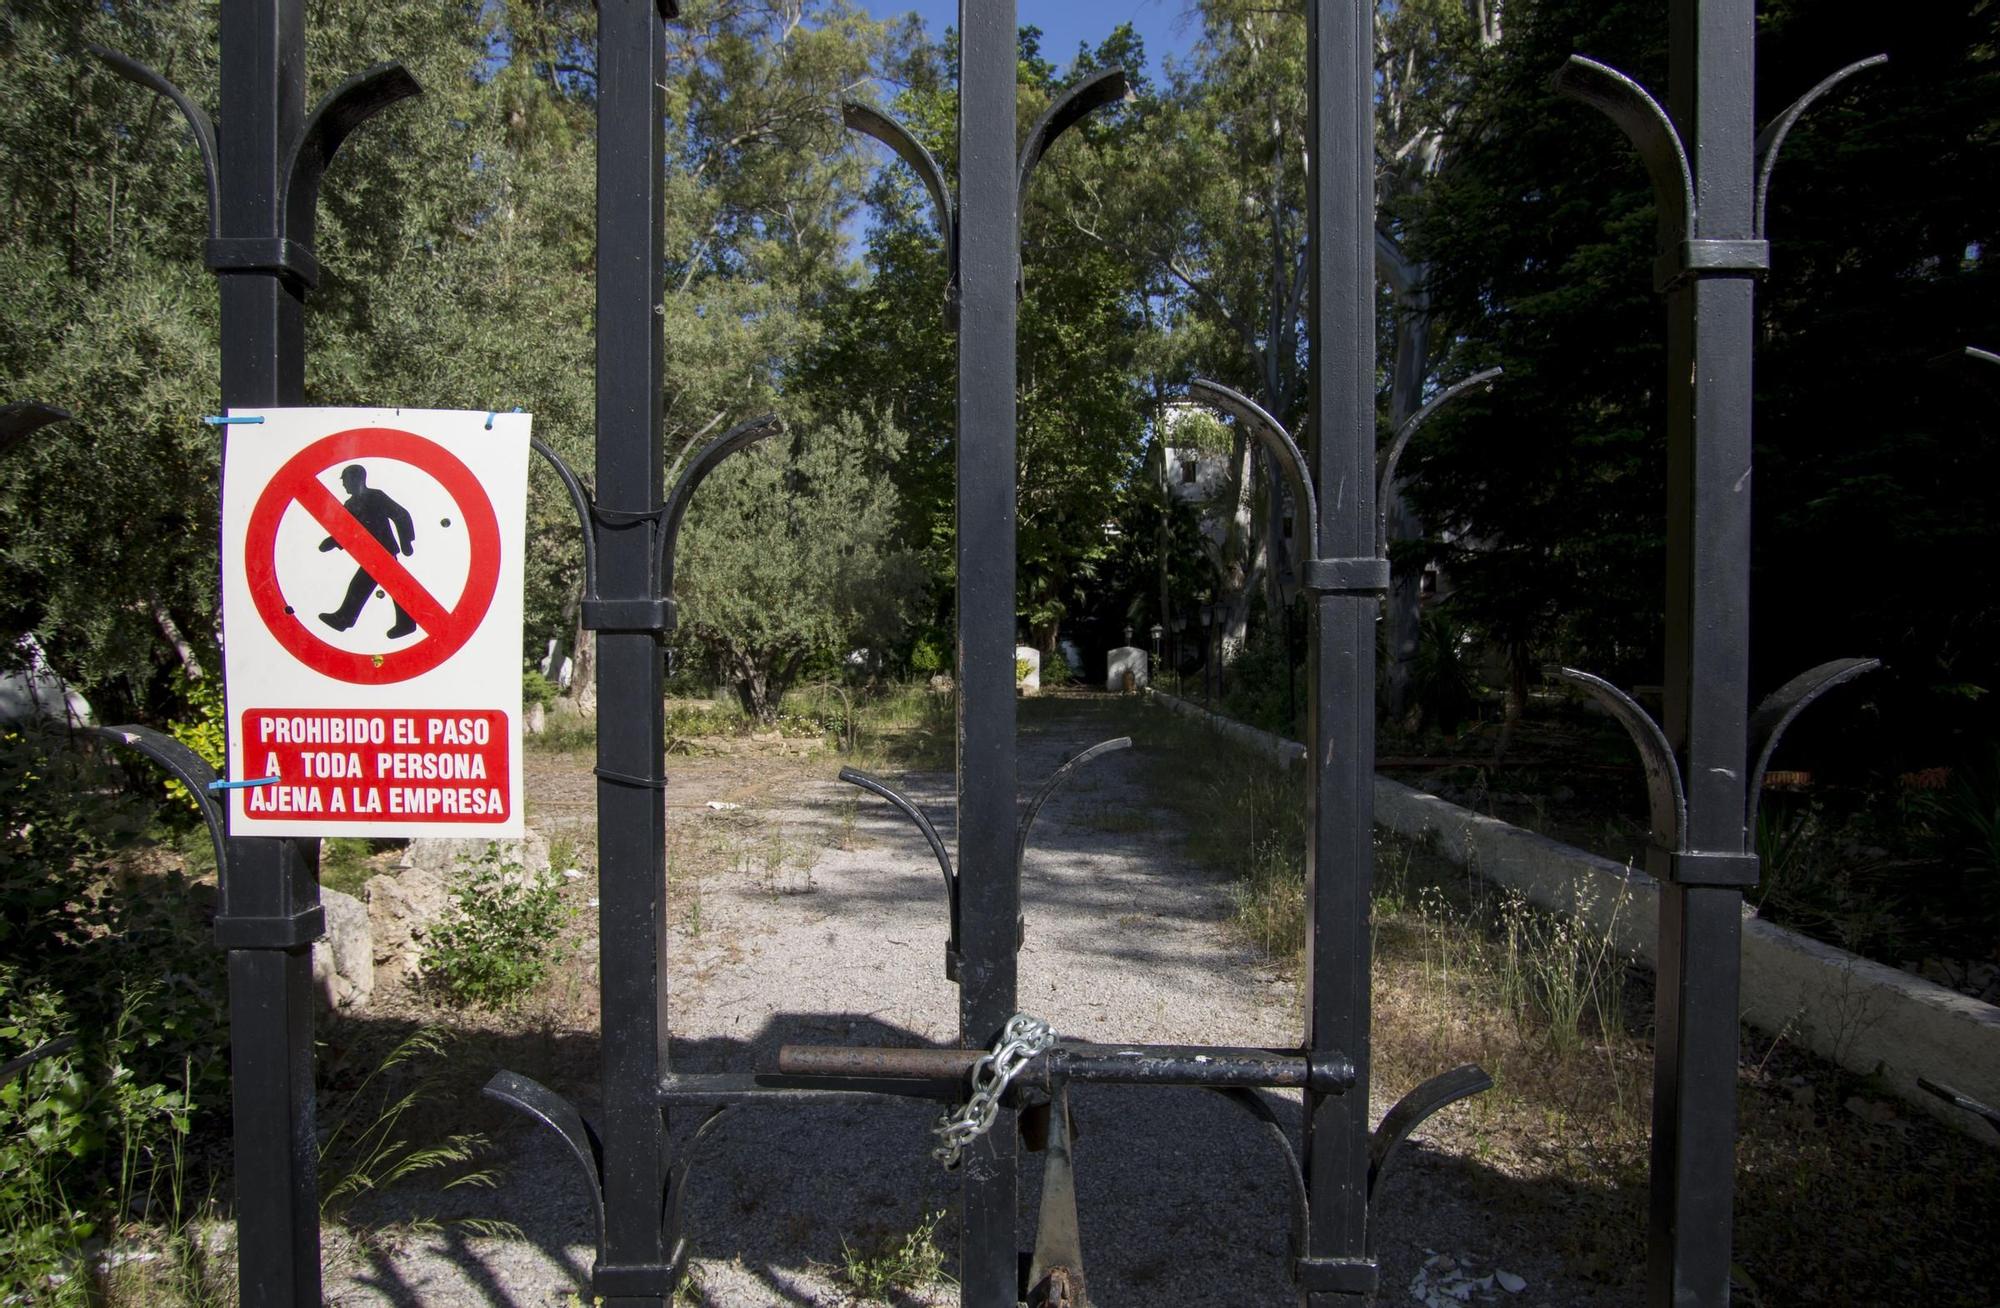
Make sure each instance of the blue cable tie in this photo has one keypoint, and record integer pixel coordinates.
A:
(244, 785)
(232, 422)
(491, 414)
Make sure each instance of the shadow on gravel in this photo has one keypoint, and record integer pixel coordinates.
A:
(1183, 1197)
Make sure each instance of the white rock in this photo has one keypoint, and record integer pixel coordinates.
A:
(1511, 1283)
(343, 963)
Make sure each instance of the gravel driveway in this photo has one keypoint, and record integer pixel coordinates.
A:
(833, 931)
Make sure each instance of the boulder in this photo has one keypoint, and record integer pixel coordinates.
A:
(343, 962)
(400, 906)
(531, 853)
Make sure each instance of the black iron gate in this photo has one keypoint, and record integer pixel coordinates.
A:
(1011, 1078)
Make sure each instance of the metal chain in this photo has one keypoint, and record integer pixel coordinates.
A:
(1021, 1041)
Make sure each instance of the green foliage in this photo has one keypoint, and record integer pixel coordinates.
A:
(931, 654)
(1442, 689)
(1081, 416)
(536, 689)
(788, 555)
(205, 730)
(1546, 501)
(84, 1135)
(1264, 684)
(495, 945)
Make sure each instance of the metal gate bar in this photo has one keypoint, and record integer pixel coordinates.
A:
(989, 883)
(1346, 587)
(636, 1267)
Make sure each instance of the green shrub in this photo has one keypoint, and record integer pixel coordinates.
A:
(536, 688)
(930, 655)
(495, 945)
(205, 731)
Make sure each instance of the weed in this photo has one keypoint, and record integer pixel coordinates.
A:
(1555, 969)
(910, 1261)
(367, 1149)
(494, 947)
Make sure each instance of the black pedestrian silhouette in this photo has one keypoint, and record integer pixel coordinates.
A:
(386, 521)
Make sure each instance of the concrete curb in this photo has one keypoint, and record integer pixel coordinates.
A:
(1868, 1018)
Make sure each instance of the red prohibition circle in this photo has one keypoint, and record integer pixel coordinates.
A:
(446, 628)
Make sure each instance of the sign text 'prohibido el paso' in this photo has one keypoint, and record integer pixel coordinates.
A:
(371, 600)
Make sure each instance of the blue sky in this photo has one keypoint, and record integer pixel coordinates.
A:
(1066, 22)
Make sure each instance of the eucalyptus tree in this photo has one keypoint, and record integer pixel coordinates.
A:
(1082, 410)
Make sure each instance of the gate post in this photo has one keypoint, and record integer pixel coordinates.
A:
(635, 1268)
(262, 102)
(1709, 349)
(263, 188)
(1346, 586)
(990, 905)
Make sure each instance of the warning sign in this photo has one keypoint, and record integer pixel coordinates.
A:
(372, 621)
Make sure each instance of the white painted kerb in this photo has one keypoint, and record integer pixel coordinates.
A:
(1865, 1016)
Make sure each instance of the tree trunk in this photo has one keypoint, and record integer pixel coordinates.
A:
(1404, 614)
(1517, 695)
(583, 671)
(190, 661)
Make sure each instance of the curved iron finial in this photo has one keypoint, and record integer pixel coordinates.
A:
(677, 1186)
(1651, 129)
(739, 437)
(330, 123)
(1408, 429)
(908, 808)
(1254, 1103)
(1960, 1099)
(1440, 1091)
(288, 251)
(873, 122)
(188, 768)
(1072, 107)
(1777, 712)
(22, 420)
(1048, 788)
(559, 1115)
(870, 121)
(1772, 138)
(1277, 442)
(14, 1067)
(1666, 799)
(197, 118)
(904, 805)
(580, 498)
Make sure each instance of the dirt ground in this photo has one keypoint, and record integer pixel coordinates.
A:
(814, 912)
(805, 911)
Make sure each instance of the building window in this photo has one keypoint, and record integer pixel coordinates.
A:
(1189, 470)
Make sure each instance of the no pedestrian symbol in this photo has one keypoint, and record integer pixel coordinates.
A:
(372, 645)
(445, 622)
